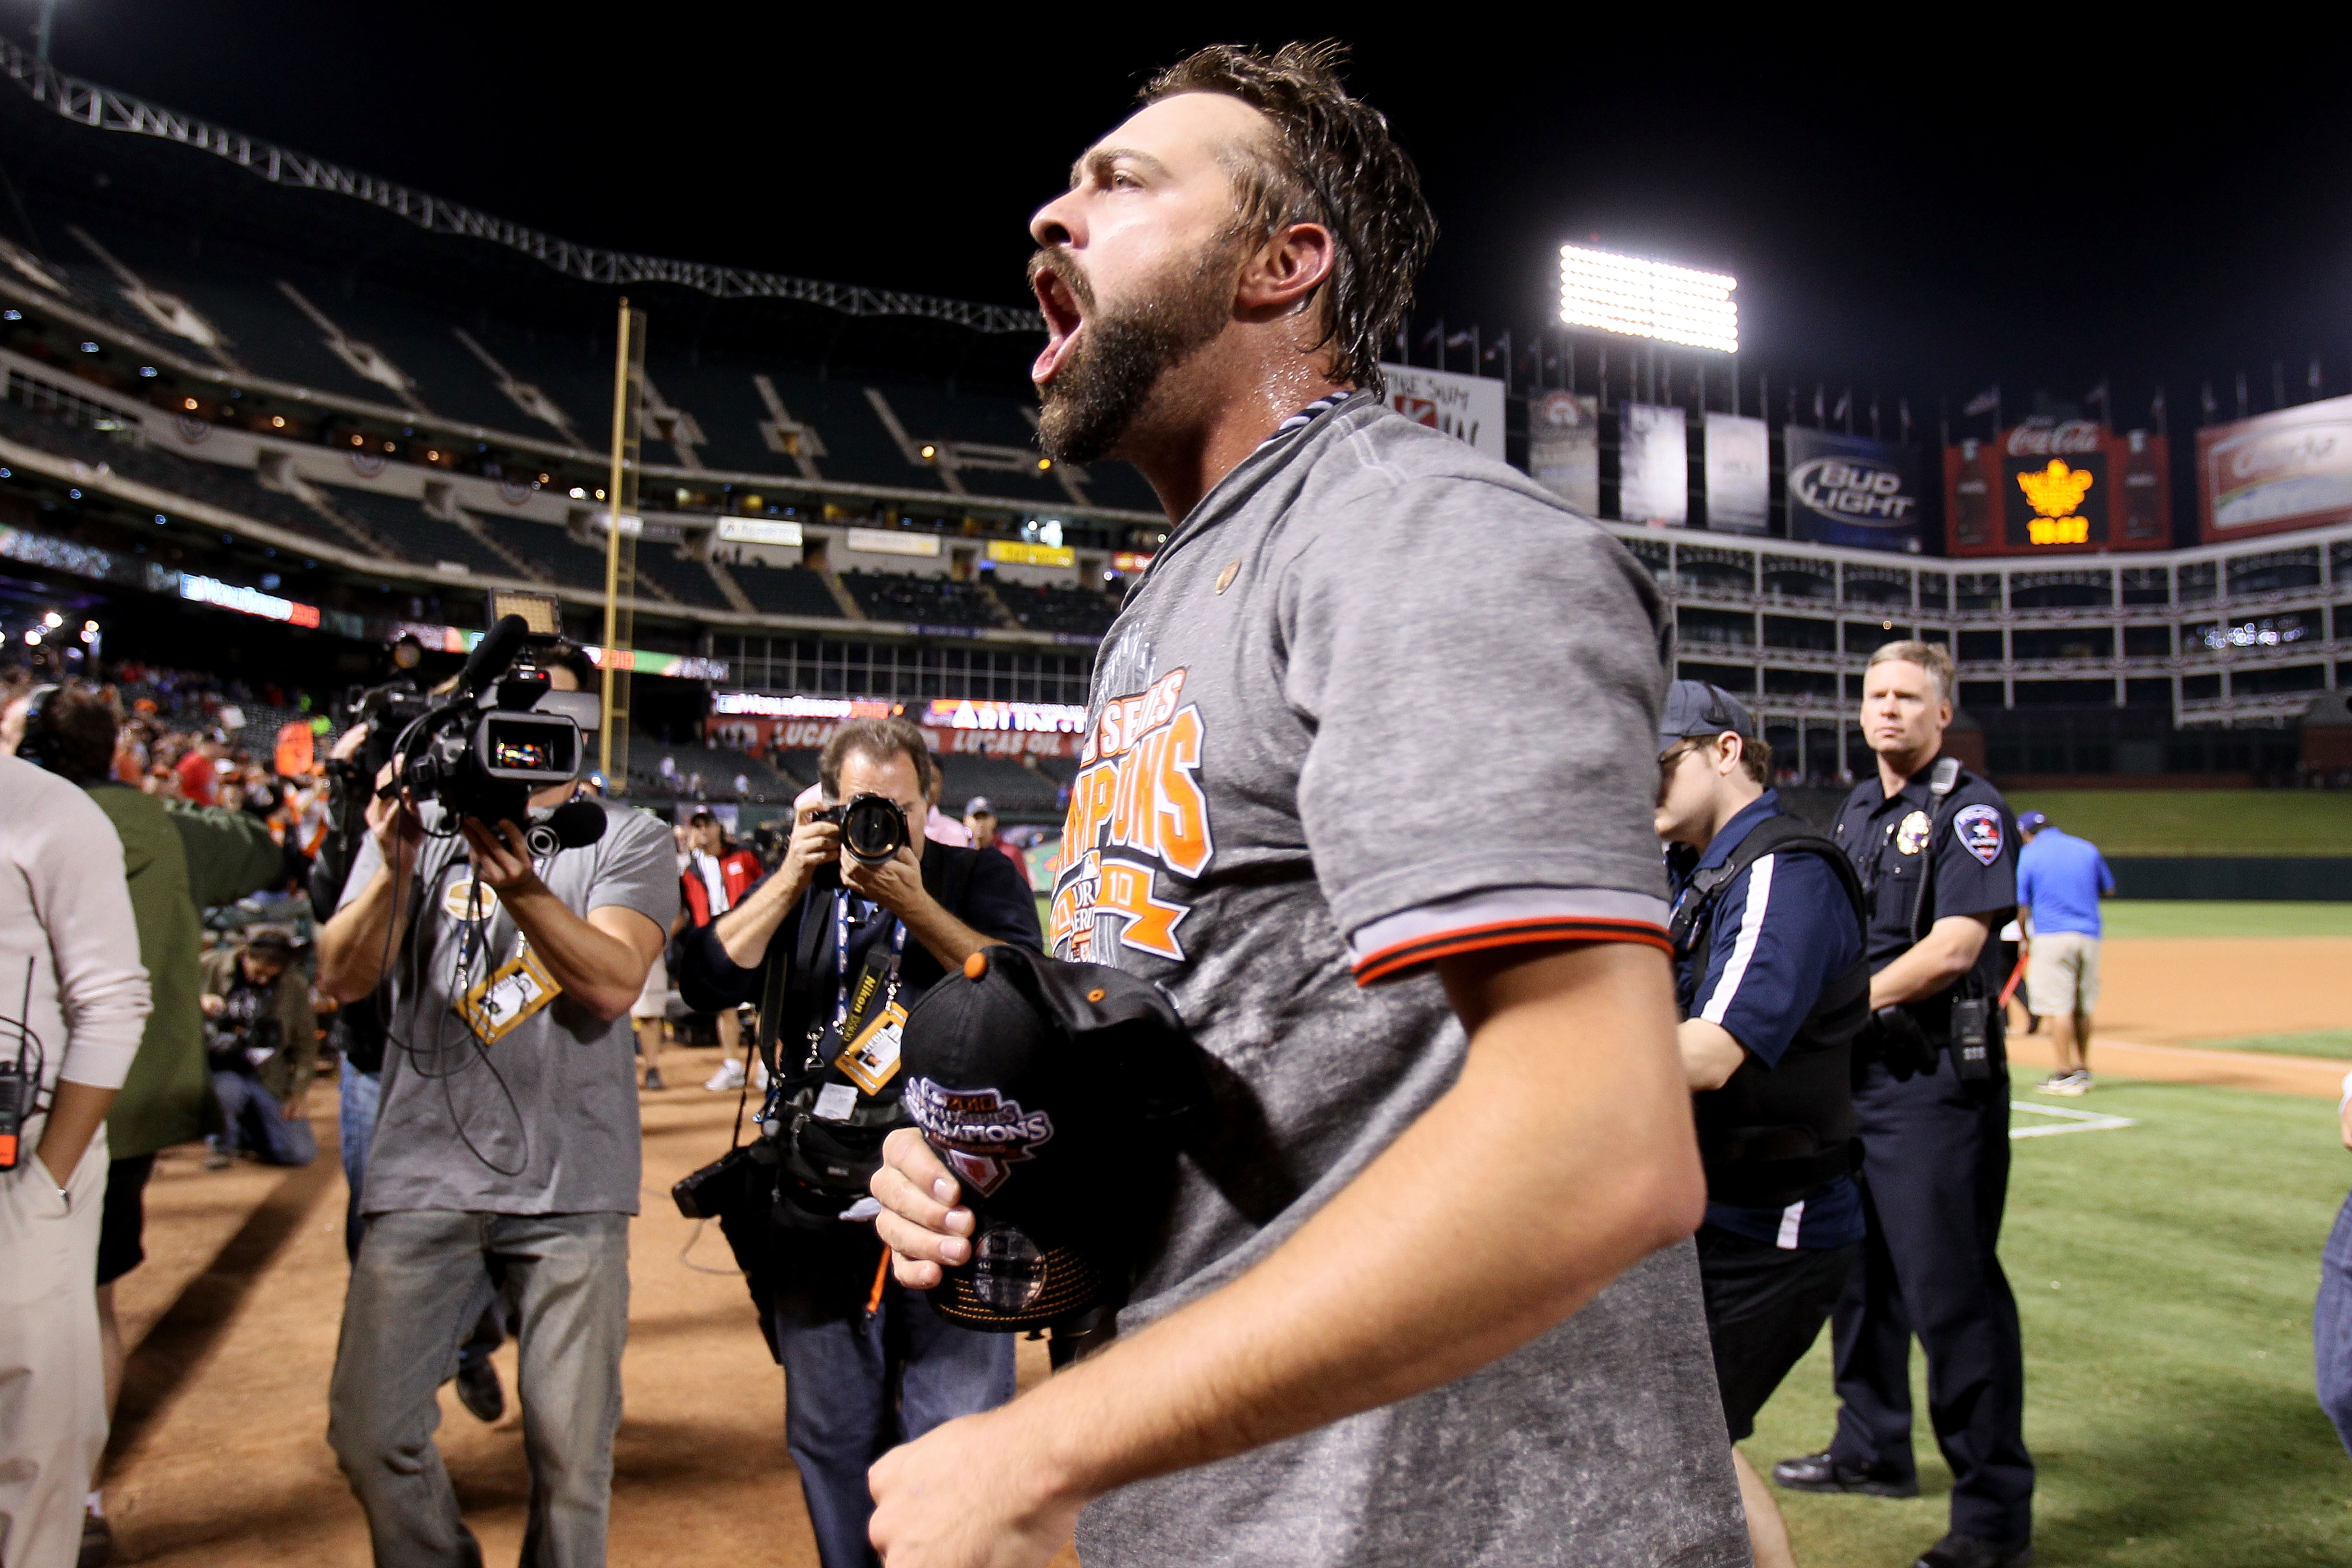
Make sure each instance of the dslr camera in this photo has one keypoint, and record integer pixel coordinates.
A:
(873, 828)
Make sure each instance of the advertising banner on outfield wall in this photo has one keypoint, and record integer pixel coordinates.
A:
(2057, 486)
(2289, 469)
(1853, 490)
(1653, 463)
(1738, 474)
(1564, 447)
(1466, 407)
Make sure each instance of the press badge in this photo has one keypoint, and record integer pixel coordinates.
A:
(872, 1058)
(520, 987)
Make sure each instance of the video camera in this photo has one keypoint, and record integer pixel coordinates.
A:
(501, 735)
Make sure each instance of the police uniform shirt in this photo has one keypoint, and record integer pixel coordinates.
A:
(1974, 854)
(1780, 933)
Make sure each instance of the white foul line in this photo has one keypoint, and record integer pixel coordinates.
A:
(2071, 1121)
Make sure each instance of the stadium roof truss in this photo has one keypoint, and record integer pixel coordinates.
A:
(104, 108)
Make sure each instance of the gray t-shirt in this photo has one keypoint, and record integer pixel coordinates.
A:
(545, 1119)
(1375, 674)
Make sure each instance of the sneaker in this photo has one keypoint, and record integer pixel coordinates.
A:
(1822, 1473)
(729, 1076)
(1973, 1551)
(97, 1542)
(653, 1079)
(2072, 1083)
(478, 1390)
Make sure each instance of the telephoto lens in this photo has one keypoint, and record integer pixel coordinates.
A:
(873, 828)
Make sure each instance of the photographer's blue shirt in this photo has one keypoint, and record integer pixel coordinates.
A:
(2059, 879)
(1781, 932)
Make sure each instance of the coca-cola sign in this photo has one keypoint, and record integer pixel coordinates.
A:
(2046, 439)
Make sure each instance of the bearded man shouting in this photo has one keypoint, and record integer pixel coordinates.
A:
(1424, 1296)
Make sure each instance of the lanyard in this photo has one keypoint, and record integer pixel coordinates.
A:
(841, 957)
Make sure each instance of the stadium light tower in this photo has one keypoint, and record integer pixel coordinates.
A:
(1646, 299)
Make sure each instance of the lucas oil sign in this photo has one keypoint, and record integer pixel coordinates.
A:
(1853, 490)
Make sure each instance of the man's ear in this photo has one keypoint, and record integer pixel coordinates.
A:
(1284, 272)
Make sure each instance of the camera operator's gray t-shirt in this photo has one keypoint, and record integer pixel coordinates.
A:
(543, 1120)
(1372, 680)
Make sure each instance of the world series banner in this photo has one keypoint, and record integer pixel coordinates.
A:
(1564, 447)
(1466, 407)
(2287, 469)
(1653, 463)
(1853, 490)
(2057, 486)
(1738, 474)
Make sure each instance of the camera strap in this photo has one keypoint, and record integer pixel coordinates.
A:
(848, 1009)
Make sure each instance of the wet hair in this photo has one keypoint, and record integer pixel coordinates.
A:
(1331, 161)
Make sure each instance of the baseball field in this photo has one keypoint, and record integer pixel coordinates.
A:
(2164, 1251)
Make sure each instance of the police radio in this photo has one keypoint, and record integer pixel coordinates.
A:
(1970, 1032)
(20, 1080)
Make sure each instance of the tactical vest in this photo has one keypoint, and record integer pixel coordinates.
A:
(1771, 1135)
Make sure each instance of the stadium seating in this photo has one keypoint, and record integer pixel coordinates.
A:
(785, 590)
(925, 601)
(1080, 612)
(1009, 787)
(717, 769)
(418, 534)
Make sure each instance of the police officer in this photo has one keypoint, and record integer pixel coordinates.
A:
(1771, 985)
(1936, 850)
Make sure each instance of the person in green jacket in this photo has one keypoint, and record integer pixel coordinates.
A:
(179, 860)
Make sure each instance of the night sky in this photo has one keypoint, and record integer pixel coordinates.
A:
(2015, 200)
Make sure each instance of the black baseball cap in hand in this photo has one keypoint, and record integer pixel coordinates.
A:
(1701, 707)
(1055, 1092)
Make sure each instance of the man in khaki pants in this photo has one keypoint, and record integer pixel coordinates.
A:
(73, 999)
(2059, 881)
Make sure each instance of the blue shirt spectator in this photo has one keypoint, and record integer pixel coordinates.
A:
(2061, 878)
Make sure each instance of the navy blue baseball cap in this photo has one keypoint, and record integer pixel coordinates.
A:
(1699, 708)
(2032, 822)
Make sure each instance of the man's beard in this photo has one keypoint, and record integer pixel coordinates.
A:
(1104, 382)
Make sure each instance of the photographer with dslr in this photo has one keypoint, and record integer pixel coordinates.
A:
(262, 1041)
(507, 1147)
(836, 946)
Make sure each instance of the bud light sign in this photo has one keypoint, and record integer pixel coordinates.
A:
(1851, 490)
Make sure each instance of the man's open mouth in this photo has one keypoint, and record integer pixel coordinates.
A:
(1063, 316)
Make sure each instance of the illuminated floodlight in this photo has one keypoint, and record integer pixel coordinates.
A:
(1648, 298)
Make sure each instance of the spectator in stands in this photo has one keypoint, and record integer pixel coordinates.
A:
(980, 821)
(867, 1361)
(179, 860)
(69, 960)
(261, 1035)
(2059, 881)
(198, 769)
(718, 872)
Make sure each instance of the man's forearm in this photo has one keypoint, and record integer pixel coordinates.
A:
(1933, 963)
(746, 930)
(352, 946)
(594, 967)
(1572, 1099)
(949, 938)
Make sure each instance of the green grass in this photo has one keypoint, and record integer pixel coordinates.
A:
(2124, 821)
(2165, 1275)
(2337, 1043)
(2187, 917)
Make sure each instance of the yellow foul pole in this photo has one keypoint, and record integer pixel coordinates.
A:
(621, 528)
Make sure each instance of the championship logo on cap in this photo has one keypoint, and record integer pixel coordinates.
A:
(1979, 827)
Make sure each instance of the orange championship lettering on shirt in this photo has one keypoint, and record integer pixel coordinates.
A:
(1136, 809)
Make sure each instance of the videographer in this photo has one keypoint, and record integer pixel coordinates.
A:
(507, 1147)
(1769, 983)
(1936, 851)
(262, 1041)
(833, 946)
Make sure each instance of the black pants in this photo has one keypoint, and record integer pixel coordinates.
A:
(1765, 1308)
(1935, 1178)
